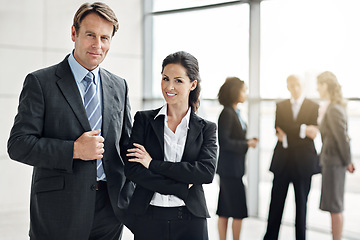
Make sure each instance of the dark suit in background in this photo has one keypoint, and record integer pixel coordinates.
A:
(51, 116)
(233, 144)
(231, 165)
(197, 167)
(296, 163)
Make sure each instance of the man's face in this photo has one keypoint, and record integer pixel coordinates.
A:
(294, 87)
(92, 42)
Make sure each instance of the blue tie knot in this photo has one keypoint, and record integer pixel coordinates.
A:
(89, 77)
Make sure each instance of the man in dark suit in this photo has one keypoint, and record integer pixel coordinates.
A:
(78, 190)
(294, 159)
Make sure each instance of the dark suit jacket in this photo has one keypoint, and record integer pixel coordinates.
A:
(300, 157)
(51, 116)
(336, 142)
(196, 167)
(232, 143)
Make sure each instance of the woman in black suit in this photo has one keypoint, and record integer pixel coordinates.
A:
(173, 152)
(231, 165)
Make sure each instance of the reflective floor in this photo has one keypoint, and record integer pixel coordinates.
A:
(14, 224)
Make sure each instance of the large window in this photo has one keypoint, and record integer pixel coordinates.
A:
(303, 37)
(164, 5)
(307, 37)
(217, 37)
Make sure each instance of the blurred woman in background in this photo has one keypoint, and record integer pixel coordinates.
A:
(231, 163)
(335, 156)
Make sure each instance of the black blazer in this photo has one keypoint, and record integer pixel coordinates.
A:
(51, 116)
(197, 166)
(232, 143)
(301, 155)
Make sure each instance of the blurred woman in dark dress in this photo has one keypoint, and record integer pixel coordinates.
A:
(231, 163)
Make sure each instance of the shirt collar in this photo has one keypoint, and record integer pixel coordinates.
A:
(163, 111)
(79, 71)
(299, 101)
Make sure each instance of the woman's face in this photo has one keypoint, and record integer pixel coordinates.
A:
(243, 94)
(176, 85)
(322, 89)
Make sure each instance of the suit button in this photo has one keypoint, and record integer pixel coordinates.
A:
(93, 187)
(180, 214)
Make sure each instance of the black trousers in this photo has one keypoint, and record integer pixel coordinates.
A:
(169, 223)
(278, 197)
(106, 226)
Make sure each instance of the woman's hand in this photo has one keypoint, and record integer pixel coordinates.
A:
(140, 155)
(351, 168)
(252, 142)
(311, 131)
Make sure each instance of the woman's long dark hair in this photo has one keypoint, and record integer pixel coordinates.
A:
(190, 63)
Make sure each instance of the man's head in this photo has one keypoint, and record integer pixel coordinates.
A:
(92, 31)
(294, 86)
(100, 9)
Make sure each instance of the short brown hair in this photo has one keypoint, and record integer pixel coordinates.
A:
(229, 92)
(100, 9)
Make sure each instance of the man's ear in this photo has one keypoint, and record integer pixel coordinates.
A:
(73, 33)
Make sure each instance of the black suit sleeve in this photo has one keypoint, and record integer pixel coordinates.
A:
(143, 176)
(201, 170)
(26, 143)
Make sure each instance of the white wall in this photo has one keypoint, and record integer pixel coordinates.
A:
(36, 34)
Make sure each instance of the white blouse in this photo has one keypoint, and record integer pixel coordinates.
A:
(174, 144)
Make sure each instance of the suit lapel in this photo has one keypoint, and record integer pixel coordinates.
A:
(195, 128)
(289, 110)
(158, 128)
(71, 93)
(302, 111)
(108, 103)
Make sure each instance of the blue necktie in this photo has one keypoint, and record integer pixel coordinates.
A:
(93, 111)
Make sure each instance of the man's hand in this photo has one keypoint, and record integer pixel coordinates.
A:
(89, 146)
(311, 131)
(280, 134)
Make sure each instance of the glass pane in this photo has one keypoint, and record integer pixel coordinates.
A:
(163, 5)
(218, 38)
(306, 37)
